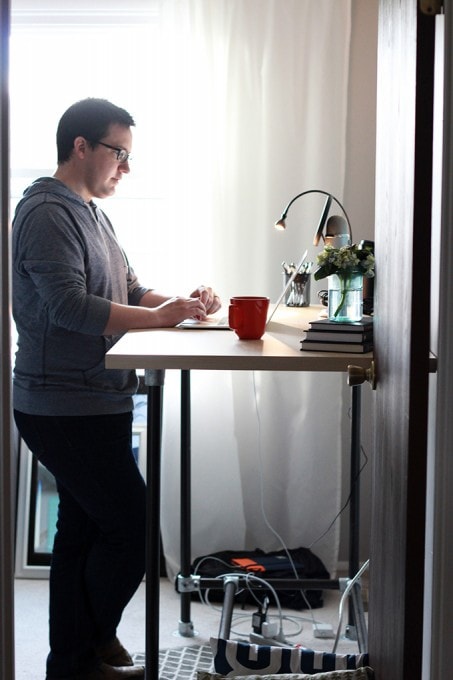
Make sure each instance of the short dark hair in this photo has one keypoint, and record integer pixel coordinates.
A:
(89, 118)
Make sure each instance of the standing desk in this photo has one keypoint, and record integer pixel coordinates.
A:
(155, 350)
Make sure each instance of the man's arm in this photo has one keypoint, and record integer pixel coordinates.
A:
(167, 313)
(160, 311)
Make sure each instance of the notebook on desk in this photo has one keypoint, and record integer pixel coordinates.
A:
(221, 322)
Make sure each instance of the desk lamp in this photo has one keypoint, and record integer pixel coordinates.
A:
(338, 228)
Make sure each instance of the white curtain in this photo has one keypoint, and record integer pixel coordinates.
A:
(256, 91)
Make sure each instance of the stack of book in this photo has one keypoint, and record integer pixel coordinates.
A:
(332, 336)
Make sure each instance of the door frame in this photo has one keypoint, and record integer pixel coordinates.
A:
(6, 449)
(402, 308)
(440, 530)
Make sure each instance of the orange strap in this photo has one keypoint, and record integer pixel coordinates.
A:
(248, 564)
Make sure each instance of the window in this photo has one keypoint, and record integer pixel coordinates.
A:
(58, 57)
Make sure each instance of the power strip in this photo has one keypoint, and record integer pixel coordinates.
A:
(323, 630)
(269, 629)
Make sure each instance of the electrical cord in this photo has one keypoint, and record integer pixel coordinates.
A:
(205, 598)
(246, 616)
(291, 619)
(263, 510)
(346, 503)
(248, 577)
(348, 500)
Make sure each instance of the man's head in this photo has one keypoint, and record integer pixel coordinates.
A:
(94, 141)
(89, 118)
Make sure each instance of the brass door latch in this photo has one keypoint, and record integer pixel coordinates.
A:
(431, 6)
(357, 375)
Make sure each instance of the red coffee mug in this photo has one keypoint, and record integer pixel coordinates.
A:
(247, 316)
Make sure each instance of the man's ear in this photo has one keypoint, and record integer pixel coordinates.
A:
(80, 146)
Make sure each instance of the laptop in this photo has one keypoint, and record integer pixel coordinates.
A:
(221, 322)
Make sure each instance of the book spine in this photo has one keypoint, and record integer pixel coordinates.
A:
(353, 348)
(339, 336)
(327, 325)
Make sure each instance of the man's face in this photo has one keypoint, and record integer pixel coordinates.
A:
(102, 168)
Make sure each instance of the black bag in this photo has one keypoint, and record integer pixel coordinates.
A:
(271, 565)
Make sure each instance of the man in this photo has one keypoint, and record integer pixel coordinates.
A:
(74, 294)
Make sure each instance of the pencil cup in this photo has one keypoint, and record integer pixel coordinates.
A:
(247, 316)
(298, 294)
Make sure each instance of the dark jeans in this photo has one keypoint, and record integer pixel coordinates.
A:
(98, 558)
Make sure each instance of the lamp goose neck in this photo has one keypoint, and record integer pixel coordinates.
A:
(324, 193)
(303, 193)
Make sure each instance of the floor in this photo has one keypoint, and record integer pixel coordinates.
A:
(31, 624)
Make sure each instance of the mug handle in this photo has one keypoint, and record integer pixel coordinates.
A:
(234, 317)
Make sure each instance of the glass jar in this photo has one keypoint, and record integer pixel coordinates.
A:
(345, 302)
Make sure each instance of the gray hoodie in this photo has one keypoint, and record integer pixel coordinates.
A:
(67, 268)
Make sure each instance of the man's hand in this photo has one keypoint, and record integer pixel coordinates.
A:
(177, 309)
(210, 300)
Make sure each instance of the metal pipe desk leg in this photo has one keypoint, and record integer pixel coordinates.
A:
(154, 380)
(354, 503)
(186, 628)
(356, 416)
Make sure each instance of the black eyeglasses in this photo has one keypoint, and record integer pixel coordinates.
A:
(121, 154)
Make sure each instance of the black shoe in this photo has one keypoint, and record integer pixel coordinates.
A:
(114, 654)
(106, 672)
